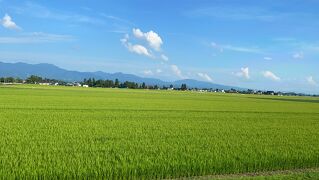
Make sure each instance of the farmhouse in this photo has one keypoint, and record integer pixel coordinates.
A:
(44, 84)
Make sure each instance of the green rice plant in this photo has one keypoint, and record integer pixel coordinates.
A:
(69, 132)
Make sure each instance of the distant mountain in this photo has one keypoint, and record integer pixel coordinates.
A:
(24, 70)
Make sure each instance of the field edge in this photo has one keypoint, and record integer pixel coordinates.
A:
(280, 174)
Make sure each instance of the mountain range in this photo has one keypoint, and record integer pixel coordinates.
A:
(24, 70)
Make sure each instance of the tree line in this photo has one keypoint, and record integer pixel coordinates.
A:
(31, 80)
(10, 80)
(91, 82)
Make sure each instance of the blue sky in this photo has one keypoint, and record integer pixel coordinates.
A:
(265, 44)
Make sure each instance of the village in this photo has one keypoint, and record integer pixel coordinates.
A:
(92, 83)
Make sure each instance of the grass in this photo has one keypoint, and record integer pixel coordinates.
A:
(69, 132)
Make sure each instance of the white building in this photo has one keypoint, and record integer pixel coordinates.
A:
(44, 84)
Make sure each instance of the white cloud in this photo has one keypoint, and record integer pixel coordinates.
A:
(311, 81)
(117, 19)
(221, 48)
(148, 72)
(217, 47)
(135, 48)
(177, 71)
(125, 39)
(8, 23)
(36, 37)
(244, 72)
(138, 49)
(138, 33)
(164, 57)
(270, 75)
(242, 49)
(153, 39)
(298, 55)
(267, 58)
(205, 76)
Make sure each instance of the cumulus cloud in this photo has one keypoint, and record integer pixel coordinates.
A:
(270, 75)
(138, 33)
(205, 76)
(244, 72)
(298, 55)
(138, 49)
(176, 71)
(148, 72)
(311, 81)
(8, 23)
(267, 58)
(135, 48)
(145, 43)
(152, 38)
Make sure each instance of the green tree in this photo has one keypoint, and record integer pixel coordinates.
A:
(184, 87)
(117, 83)
(143, 85)
(93, 82)
(34, 79)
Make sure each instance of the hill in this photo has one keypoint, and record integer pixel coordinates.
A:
(23, 70)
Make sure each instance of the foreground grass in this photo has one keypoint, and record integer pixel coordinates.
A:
(113, 133)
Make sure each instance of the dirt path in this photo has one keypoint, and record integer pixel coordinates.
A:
(257, 174)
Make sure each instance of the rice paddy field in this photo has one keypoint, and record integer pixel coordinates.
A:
(69, 132)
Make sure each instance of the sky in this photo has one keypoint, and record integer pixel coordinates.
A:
(267, 45)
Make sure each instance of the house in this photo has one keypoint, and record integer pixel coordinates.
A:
(269, 93)
(44, 84)
(259, 92)
(86, 86)
(77, 84)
